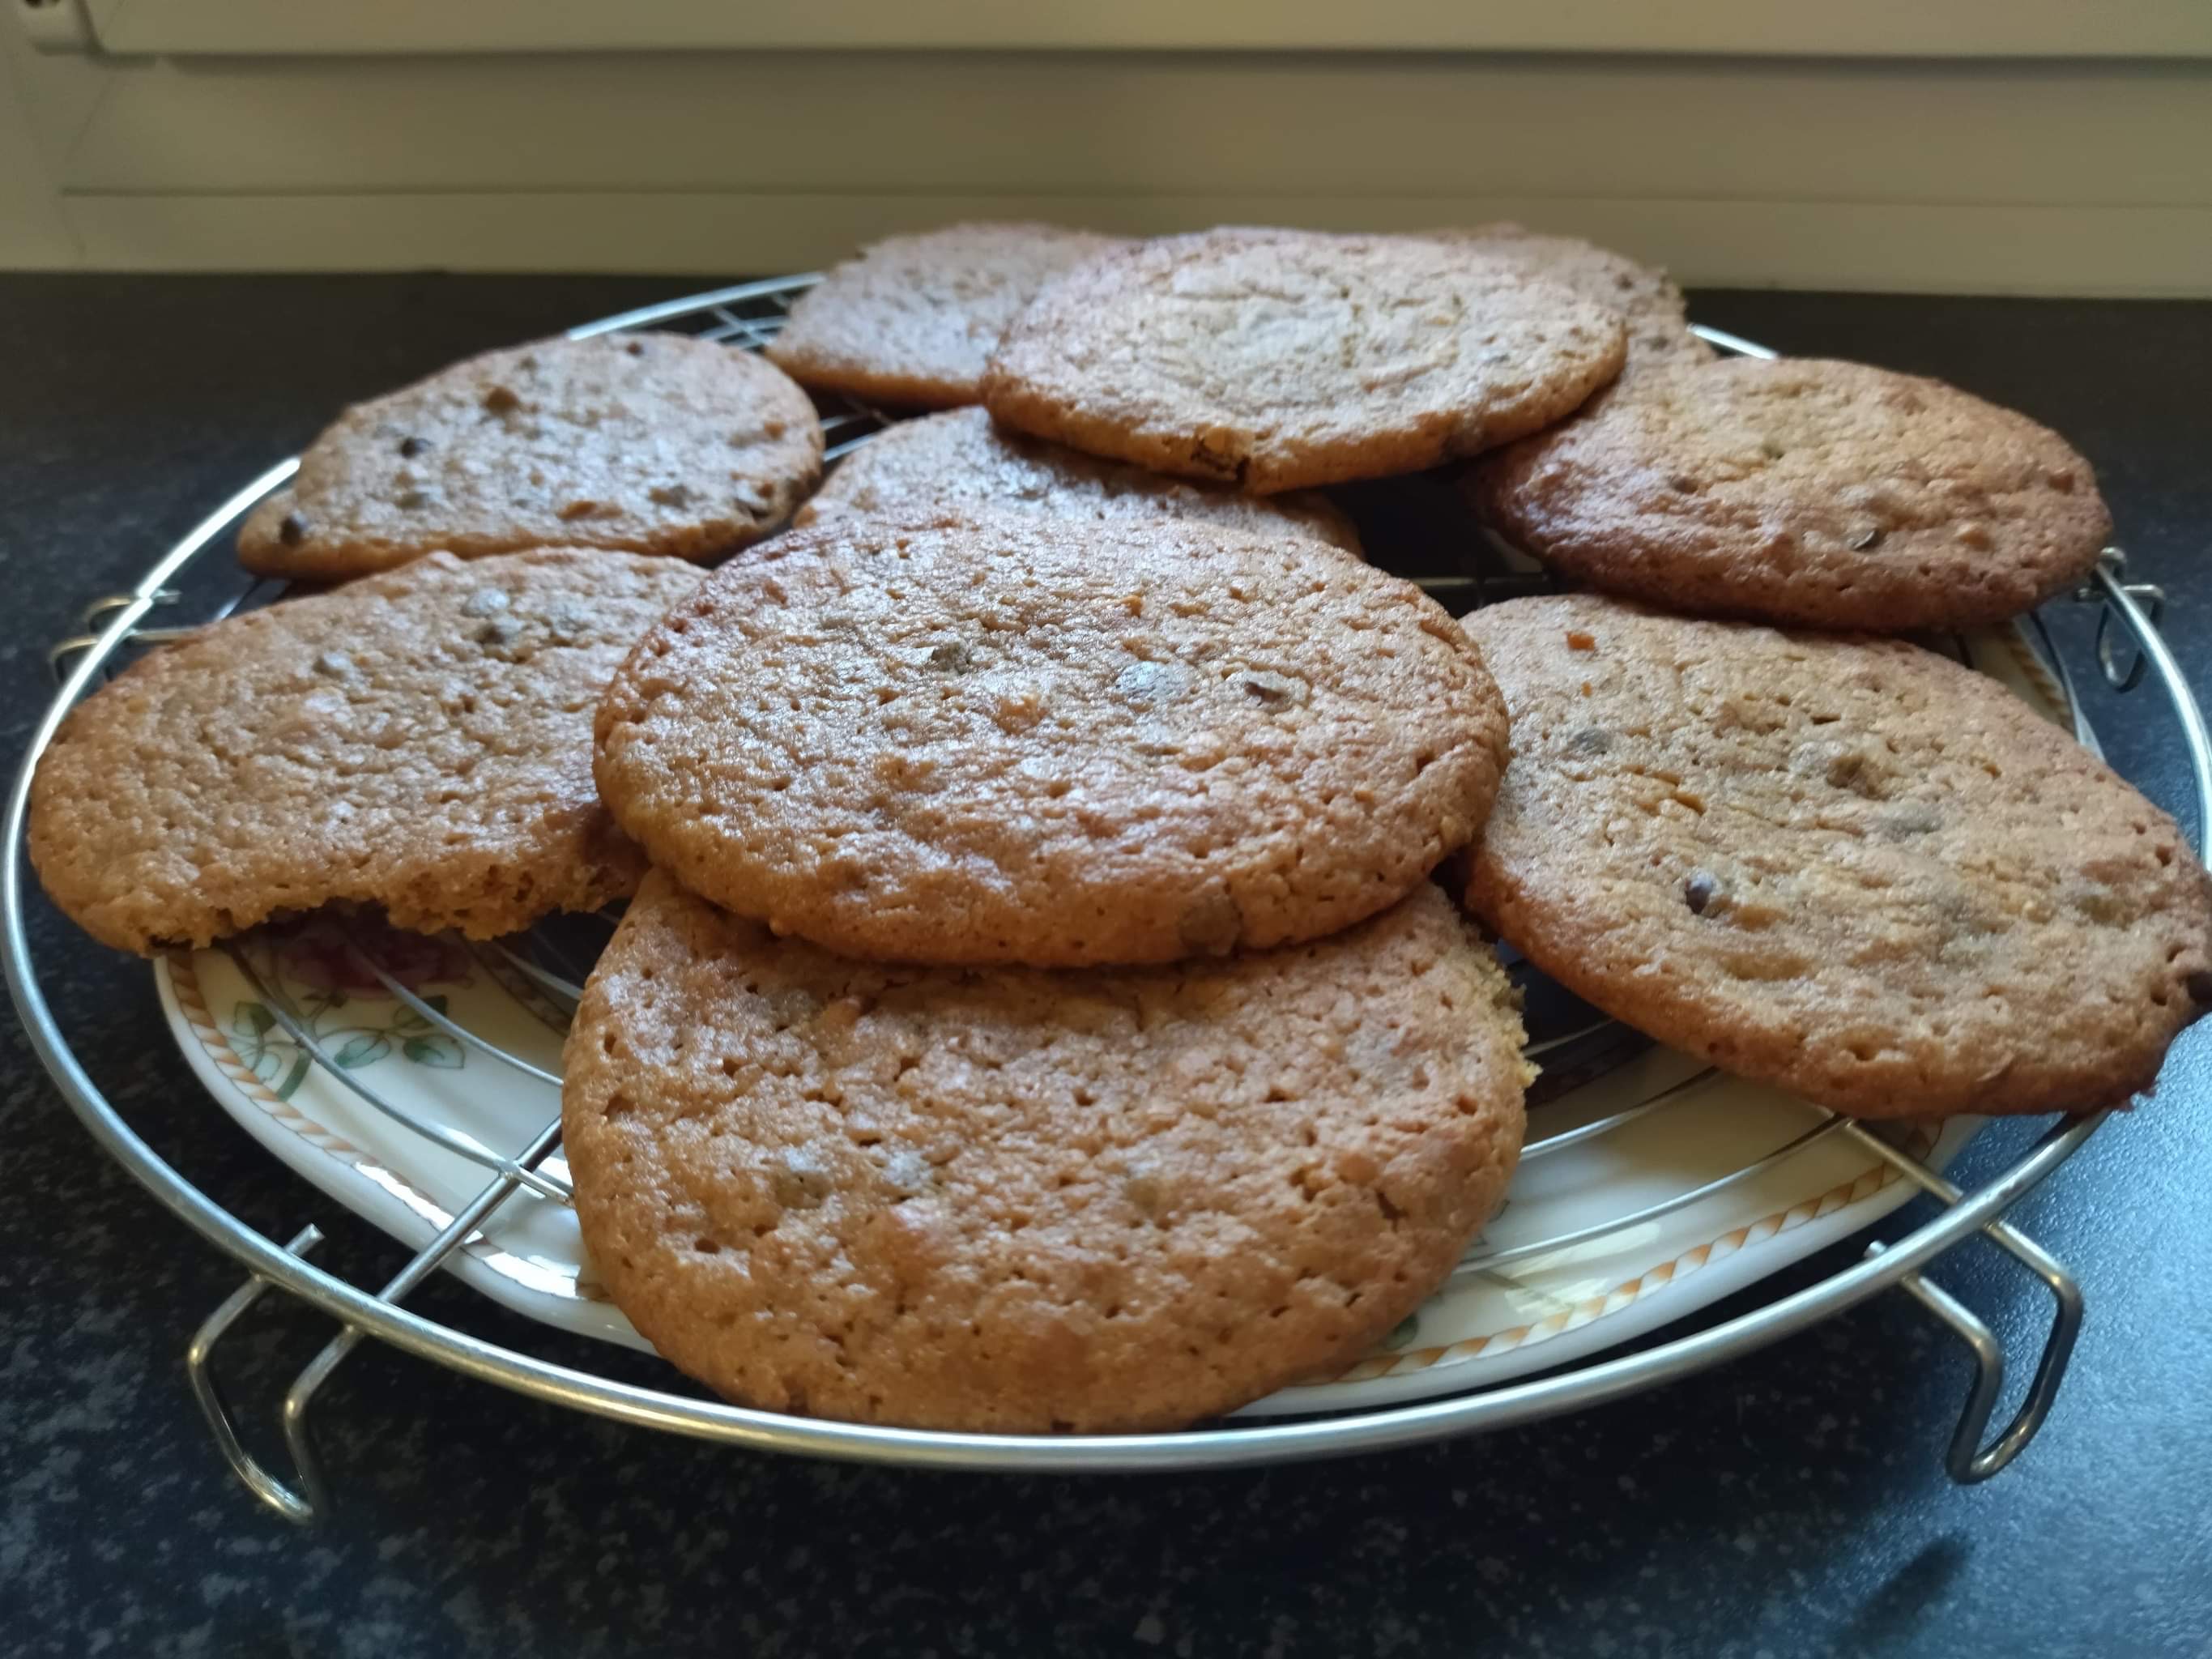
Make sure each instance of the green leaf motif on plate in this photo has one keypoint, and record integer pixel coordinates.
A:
(1403, 1332)
(437, 1049)
(411, 1019)
(294, 1078)
(282, 1065)
(250, 1023)
(366, 1049)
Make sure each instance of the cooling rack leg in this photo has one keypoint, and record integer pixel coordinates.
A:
(299, 1434)
(1968, 1460)
(298, 1507)
(97, 617)
(2139, 606)
(1989, 1371)
(309, 1500)
(2050, 1369)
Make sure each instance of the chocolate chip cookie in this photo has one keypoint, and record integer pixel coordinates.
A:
(913, 320)
(946, 464)
(420, 740)
(1025, 1203)
(1828, 494)
(648, 443)
(1847, 867)
(1279, 359)
(1650, 306)
(1018, 740)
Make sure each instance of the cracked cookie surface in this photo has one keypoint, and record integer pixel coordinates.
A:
(1031, 1201)
(1848, 867)
(420, 740)
(957, 462)
(644, 443)
(1278, 359)
(913, 320)
(1013, 739)
(1805, 492)
(1650, 304)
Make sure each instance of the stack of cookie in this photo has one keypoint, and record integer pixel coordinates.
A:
(1036, 1010)
(1841, 864)
(1041, 1017)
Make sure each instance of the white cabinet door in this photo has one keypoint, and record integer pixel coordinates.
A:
(1879, 28)
(2015, 173)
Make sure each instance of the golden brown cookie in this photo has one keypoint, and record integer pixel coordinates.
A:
(420, 740)
(1848, 867)
(1014, 739)
(1801, 491)
(913, 320)
(1025, 1202)
(1278, 359)
(944, 466)
(648, 443)
(1650, 306)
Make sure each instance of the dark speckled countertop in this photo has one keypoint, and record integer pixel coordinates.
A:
(1791, 1504)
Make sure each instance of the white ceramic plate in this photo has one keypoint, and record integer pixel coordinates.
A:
(1530, 1311)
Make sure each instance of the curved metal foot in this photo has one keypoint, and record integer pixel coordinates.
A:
(2128, 604)
(301, 1504)
(94, 622)
(2139, 606)
(1968, 1460)
(309, 1499)
(1982, 1394)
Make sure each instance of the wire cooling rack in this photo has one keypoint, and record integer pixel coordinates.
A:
(2127, 648)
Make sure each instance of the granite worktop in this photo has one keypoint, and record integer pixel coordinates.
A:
(1792, 1503)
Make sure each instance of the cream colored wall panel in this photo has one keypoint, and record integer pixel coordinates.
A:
(1879, 27)
(888, 123)
(2043, 177)
(33, 232)
(58, 98)
(1998, 250)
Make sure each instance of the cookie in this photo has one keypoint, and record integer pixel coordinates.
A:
(913, 320)
(420, 740)
(1850, 867)
(648, 443)
(1013, 1201)
(943, 466)
(1650, 306)
(1825, 494)
(1016, 739)
(1279, 359)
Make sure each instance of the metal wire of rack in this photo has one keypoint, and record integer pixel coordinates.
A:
(747, 315)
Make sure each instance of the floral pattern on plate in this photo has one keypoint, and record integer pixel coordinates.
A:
(312, 969)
